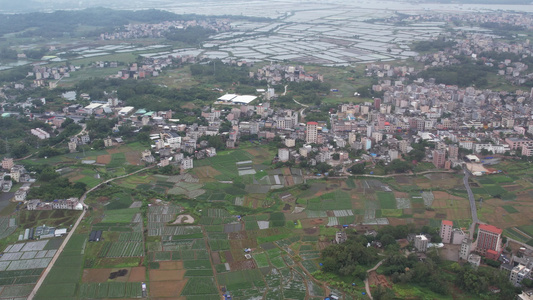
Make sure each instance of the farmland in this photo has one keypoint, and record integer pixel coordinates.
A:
(234, 213)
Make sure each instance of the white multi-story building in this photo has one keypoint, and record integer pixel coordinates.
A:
(312, 132)
(41, 134)
(518, 274)
(421, 243)
(187, 163)
(283, 154)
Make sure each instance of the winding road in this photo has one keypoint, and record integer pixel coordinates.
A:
(367, 285)
(73, 229)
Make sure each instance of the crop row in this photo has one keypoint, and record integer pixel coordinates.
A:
(110, 290)
(125, 249)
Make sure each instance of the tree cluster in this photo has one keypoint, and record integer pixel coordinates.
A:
(351, 258)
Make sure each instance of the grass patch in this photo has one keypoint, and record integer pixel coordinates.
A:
(510, 209)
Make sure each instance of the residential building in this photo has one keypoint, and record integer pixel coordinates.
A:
(465, 248)
(453, 152)
(187, 163)
(439, 158)
(518, 274)
(311, 132)
(458, 235)
(489, 240)
(41, 134)
(7, 163)
(16, 172)
(474, 260)
(340, 237)
(290, 142)
(283, 154)
(421, 243)
(446, 229)
(20, 195)
(72, 145)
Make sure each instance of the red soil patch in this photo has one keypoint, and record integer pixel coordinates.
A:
(375, 279)
(137, 274)
(103, 159)
(170, 265)
(96, 275)
(164, 275)
(166, 288)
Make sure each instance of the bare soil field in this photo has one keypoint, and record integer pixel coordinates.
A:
(242, 265)
(103, 159)
(96, 275)
(165, 275)
(137, 274)
(206, 172)
(166, 289)
(170, 265)
(133, 157)
(216, 258)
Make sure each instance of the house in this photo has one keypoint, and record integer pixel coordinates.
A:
(518, 274)
(474, 260)
(421, 243)
(340, 237)
(7, 163)
(187, 163)
(446, 231)
(20, 195)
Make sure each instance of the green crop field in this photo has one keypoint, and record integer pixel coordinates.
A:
(110, 290)
(239, 277)
(199, 286)
(337, 200)
(120, 215)
(386, 200)
(197, 264)
(261, 260)
(63, 278)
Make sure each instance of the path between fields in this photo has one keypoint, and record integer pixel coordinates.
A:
(69, 235)
(367, 286)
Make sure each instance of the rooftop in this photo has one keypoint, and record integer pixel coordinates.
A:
(490, 228)
(447, 223)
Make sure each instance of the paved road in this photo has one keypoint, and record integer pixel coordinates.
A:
(72, 230)
(367, 285)
(472, 200)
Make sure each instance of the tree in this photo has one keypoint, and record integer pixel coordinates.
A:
(336, 156)
(98, 144)
(357, 168)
